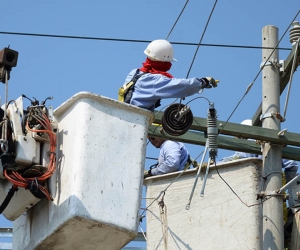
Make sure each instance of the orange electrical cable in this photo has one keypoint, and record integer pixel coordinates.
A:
(19, 181)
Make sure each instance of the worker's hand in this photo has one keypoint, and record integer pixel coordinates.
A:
(210, 82)
(146, 174)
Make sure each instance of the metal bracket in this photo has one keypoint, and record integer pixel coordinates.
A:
(50, 113)
(272, 114)
(282, 66)
(264, 194)
(273, 62)
(182, 112)
(295, 180)
(266, 115)
(281, 133)
(263, 64)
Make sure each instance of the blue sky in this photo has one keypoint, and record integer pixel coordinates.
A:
(63, 67)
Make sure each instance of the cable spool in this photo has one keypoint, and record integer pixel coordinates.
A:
(177, 119)
(295, 32)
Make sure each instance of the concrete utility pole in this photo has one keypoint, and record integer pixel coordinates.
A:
(272, 155)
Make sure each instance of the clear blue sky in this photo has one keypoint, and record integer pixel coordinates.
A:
(62, 67)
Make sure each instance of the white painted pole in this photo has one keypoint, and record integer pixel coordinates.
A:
(272, 208)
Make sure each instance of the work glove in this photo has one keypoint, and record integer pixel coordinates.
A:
(157, 103)
(209, 82)
(204, 165)
(147, 173)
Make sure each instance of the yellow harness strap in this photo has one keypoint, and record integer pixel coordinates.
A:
(190, 162)
(123, 90)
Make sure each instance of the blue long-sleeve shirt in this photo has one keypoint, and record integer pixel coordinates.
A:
(286, 164)
(172, 157)
(150, 88)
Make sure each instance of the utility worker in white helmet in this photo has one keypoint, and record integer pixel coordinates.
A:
(155, 83)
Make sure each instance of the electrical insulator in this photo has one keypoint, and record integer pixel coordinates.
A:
(295, 32)
(212, 131)
(177, 119)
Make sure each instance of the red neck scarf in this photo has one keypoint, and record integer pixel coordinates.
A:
(156, 67)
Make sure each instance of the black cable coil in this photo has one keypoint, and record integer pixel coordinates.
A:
(174, 126)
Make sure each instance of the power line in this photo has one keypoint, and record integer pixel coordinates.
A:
(201, 38)
(136, 41)
(177, 19)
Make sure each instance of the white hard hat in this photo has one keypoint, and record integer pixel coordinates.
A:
(160, 50)
(247, 122)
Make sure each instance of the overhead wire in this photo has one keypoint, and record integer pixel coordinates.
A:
(194, 57)
(291, 78)
(177, 19)
(133, 40)
(206, 25)
(175, 25)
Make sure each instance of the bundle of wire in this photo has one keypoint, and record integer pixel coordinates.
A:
(18, 180)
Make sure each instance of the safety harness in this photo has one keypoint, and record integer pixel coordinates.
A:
(191, 162)
(125, 91)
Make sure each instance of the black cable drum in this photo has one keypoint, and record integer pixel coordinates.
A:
(174, 126)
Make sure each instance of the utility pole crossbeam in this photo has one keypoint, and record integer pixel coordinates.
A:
(272, 155)
(239, 130)
(229, 134)
(224, 142)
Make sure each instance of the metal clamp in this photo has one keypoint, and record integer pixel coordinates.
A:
(273, 62)
(263, 64)
(281, 133)
(182, 112)
(266, 115)
(276, 115)
(264, 194)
